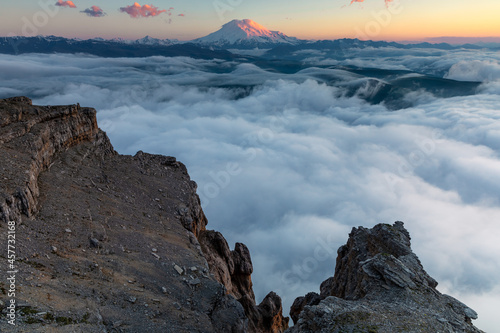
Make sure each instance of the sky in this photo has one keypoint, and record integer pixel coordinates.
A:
(400, 20)
(313, 162)
(291, 165)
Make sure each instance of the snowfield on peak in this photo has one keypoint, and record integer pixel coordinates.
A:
(245, 32)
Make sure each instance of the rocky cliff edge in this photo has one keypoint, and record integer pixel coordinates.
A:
(112, 243)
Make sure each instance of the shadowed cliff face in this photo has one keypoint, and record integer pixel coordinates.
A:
(106, 242)
(233, 269)
(380, 286)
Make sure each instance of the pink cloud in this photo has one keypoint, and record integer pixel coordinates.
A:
(94, 11)
(62, 3)
(137, 10)
(181, 15)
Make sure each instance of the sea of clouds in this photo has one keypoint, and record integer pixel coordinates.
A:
(287, 164)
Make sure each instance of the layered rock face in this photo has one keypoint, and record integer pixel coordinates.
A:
(110, 243)
(380, 286)
(233, 269)
(28, 143)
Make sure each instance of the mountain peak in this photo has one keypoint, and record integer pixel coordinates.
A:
(251, 28)
(245, 33)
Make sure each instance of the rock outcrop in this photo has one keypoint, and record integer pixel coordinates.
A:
(233, 269)
(380, 286)
(28, 145)
(106, 242)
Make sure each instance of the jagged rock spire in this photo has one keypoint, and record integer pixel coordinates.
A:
(380, 286)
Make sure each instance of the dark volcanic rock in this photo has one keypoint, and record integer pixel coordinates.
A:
(267, 316)
(380, 286)
(233, 269)
(373, 259)
(105, 242)
(300, 302)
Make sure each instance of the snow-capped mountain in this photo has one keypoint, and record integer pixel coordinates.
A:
(236, 38)
(148, 40)
(154, 41)
(246, 33)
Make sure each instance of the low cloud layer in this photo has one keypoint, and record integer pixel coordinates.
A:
(307, 162)
(94, 11)
(475, 70)
(62, 3)
(136, 10)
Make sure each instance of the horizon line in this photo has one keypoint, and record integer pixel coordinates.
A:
(430, 40)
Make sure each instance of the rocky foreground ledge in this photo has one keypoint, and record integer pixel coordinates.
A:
(380, 286)
(112, 243)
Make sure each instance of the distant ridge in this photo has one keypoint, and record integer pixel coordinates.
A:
(464, 40)
(221, 44)
(145, 47)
